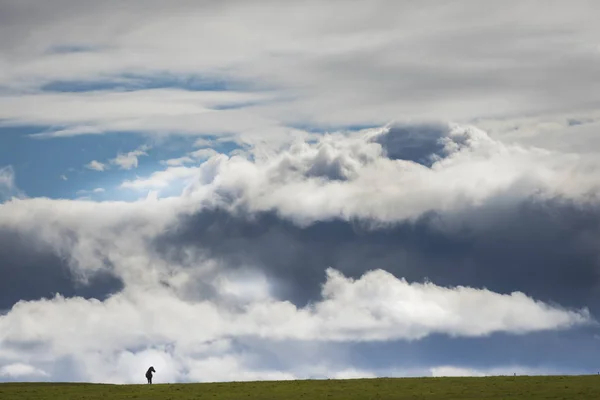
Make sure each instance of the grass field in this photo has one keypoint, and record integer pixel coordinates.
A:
(521, 387)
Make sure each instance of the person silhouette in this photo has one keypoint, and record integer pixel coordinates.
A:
(149, 374)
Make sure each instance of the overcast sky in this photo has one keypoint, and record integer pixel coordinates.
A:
(240, 190)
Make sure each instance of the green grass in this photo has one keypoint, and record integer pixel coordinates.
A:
(521, 387)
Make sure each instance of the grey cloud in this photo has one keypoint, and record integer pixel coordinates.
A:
(546, 249)
(468, 248)
(374, 61)
(31, 271)
(461, 69)
(324, 166)
(424, 144)
(341, 65)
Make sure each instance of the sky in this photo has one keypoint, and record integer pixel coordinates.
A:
(259, 189)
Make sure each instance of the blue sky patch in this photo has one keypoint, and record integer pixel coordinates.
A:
(56, 167)
(130, 82)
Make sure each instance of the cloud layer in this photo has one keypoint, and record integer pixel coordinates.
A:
(176, 333)
(318, 220)
(392, 234)
(159, 69)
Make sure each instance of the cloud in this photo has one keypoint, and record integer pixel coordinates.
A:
(312, 206)
(175, 162)
(203, 153)
(158, 111)
(20, 370)
(337, 176)
(467, 237)
(96, 165)
(125, 161)
(93, 191)
(455, 371)
(129, 160)
(25, 255)
(467, 249)
(202, 142)
(328, 66)
(8, 187)
(7, 180)
(191, 157)
(424, 144)
(444, 370)
(161, 179)
(302, 253)
(351, 311)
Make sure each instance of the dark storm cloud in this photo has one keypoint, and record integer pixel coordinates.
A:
(423, 144)
(30, 271)
(549, 250)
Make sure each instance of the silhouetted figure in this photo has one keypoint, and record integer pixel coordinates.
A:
(149, 374)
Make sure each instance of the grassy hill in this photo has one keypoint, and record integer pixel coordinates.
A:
(521, 387)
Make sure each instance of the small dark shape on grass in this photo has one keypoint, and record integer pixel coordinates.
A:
(149, 374)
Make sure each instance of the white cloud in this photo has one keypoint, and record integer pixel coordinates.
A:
(202, 142)
(162, 179)
(96, 106)
(231, 368)
(455, 371)
(325, 63)
(161, 316)
(126, 161)
(20, 370)
(204, 153)
(7, 178)
(176, 162)
(330, 63)
(159, 111)
(191, 157)
(93, 223)
(380, 307)
(449, 370)
(96, 165)
(339, 174)
(93, 191)
(374, 307)
(8, 187)
(129, 160)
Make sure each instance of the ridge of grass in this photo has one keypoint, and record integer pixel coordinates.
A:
(570, 387)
